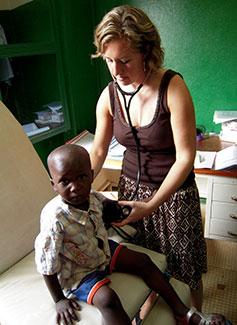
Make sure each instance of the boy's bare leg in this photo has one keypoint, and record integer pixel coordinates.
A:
(138, 263)
(196, 300)
(196, 296)
(107, 301)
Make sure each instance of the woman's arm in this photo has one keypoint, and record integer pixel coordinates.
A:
(103, 132)
(184, 133)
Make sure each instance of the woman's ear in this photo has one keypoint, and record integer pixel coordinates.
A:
(148, 49)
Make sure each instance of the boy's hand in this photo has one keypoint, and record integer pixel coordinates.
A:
(65, 311)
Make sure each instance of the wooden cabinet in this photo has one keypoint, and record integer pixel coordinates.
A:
(37, 84)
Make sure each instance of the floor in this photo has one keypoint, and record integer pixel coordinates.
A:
(220, 282)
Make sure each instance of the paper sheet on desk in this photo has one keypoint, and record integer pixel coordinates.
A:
(204, 159)
(223, 159)
(226, 158)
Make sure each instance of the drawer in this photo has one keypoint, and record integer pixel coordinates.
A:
(224, 193)
(222, 228)
(224, 211)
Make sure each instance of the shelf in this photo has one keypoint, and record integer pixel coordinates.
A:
(25, 49)
(36, 74)
(48, 134)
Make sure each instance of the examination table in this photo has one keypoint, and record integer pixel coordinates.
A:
(24, 297)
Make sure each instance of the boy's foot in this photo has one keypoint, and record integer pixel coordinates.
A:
(193, 317)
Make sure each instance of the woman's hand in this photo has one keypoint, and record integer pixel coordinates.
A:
(65, 311)
(139, 210)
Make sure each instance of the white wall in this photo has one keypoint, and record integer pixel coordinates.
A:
(11, 4)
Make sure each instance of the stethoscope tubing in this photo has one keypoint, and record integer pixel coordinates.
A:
(133, 130)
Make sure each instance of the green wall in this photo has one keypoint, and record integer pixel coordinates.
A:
(199, 38)
(74, 21)
(200, 41)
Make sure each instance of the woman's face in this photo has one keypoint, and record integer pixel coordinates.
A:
(124, 62)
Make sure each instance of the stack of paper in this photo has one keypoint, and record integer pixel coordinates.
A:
(32, 129)
(84, 139)
(229, 125)
(116, 150)
(226, 158)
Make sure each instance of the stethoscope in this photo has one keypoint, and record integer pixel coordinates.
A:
(127, 105)
(123, 211)
(126, 210)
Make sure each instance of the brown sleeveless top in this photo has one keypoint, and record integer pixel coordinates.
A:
(157, 150)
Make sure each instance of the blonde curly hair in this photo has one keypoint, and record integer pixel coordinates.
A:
(134, 24)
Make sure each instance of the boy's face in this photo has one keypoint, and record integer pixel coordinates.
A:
(72, 178)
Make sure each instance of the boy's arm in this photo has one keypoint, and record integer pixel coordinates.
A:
(64, 306)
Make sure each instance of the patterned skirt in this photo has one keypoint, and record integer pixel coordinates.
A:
(175, 230)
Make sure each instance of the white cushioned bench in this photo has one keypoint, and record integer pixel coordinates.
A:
(25, 188)
(25, 300)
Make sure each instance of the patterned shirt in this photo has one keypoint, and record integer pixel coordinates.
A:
(69, 242)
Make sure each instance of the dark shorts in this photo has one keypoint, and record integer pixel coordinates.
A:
(93, 281)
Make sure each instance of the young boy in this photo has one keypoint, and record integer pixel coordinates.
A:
(74, 254)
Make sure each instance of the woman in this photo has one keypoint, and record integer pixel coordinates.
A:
(166, 207)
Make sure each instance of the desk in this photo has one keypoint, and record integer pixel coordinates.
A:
(218, 187)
